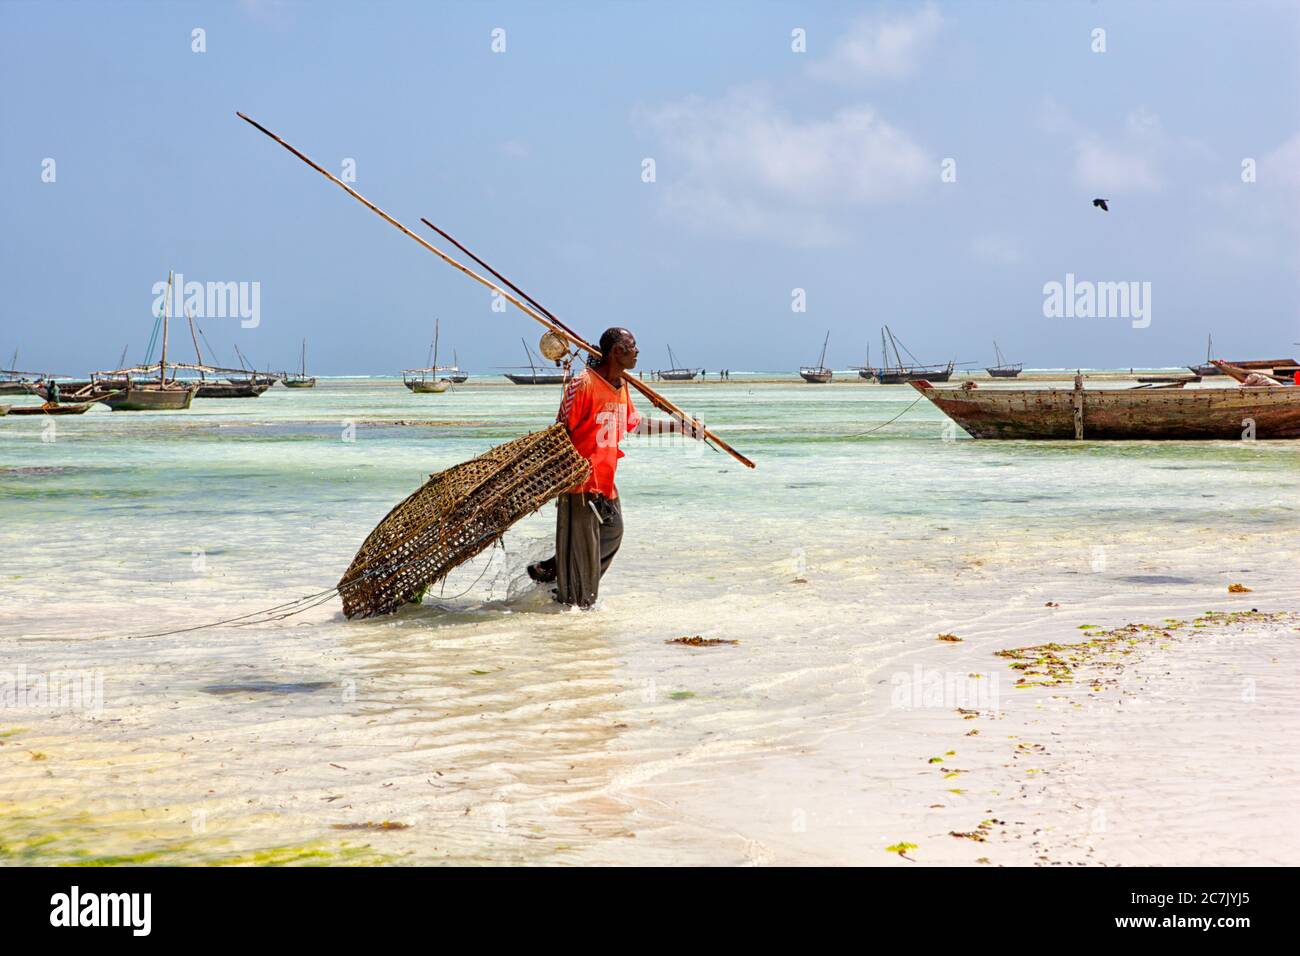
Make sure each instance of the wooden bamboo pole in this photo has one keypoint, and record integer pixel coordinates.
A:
(529, 310)
(655, 398)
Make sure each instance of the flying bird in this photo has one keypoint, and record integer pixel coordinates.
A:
(1101, 204)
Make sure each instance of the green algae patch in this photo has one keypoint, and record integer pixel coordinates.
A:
(1046, 665)
(79, 840)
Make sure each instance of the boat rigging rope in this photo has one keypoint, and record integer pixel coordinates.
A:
(891, 421)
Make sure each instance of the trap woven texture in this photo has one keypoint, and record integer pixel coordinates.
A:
(455, 515)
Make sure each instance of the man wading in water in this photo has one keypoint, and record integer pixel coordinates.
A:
(597, 410)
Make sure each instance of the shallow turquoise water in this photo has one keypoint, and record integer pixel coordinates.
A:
(849, 544)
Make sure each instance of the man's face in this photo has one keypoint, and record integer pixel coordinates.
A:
(625, 353)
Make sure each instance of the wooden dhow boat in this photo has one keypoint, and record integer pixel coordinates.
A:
(1239, 374)
(900, 373)
(49, 408)
(143, 387)
(245, 386)
(1283, 367)
(430, 380)
(676, 373)
(1209, 367)
(536, 375)
(14, 382)
(300, 379)
(818, 374)
(1144, 413)
(454, 373)
(1003, 369)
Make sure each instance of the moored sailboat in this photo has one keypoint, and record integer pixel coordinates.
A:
(1003, 369)
(536, 375)
(899, 373)
(818, 374)
(143, 387)
(430, 381)
(677, 373)
(301, 379)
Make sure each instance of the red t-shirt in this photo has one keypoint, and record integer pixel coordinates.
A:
(597, 417)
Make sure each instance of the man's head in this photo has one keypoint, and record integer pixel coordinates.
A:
(618, 349)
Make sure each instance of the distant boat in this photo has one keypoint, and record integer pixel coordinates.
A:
(866, 371)
(1003, 369)
(14, 382)
(535, 375)
(245, 386)
(454, 373)
(123, 391)
(47, 409)
(898, 373)
(1208, 368)
(1144, 413)
(428, 381)
(302, 379)
(818, 374)
(676, 374)
(1281, 367)
(1168, 379)
(1239, 374)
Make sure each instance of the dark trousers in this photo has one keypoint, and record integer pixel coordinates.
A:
(588, 533)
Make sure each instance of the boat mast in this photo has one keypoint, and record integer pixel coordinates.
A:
(189, 317)
(435, 348)
(528, 355)
(893, 341)
(821, 362)
(304, 358)
(162, 361)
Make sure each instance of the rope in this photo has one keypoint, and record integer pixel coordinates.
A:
(309, 602)
(153, 339)
(891, 421)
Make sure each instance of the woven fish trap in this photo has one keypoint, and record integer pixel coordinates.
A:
(455, 515)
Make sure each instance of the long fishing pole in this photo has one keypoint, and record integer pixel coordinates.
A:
(655, 398)
(514, 300)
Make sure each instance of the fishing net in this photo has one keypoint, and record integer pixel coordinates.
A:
(455, 515)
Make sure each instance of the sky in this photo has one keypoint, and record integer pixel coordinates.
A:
(734, 180)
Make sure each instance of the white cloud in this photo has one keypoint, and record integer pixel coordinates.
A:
(1128, 161)
(740, 166)
(1282, 165)
(515, 149)
(997, 250)
(880, 47)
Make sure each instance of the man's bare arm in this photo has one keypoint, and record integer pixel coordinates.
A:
(660, 426)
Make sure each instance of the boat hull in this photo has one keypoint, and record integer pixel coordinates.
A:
(50, 409)
(230, 390)
(1004, 371)
(150, 399)
(1121, 414)
(430, 388)
(679, 374)
(540, 378)
(903, 378)
(299, 382)
(816, 376)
